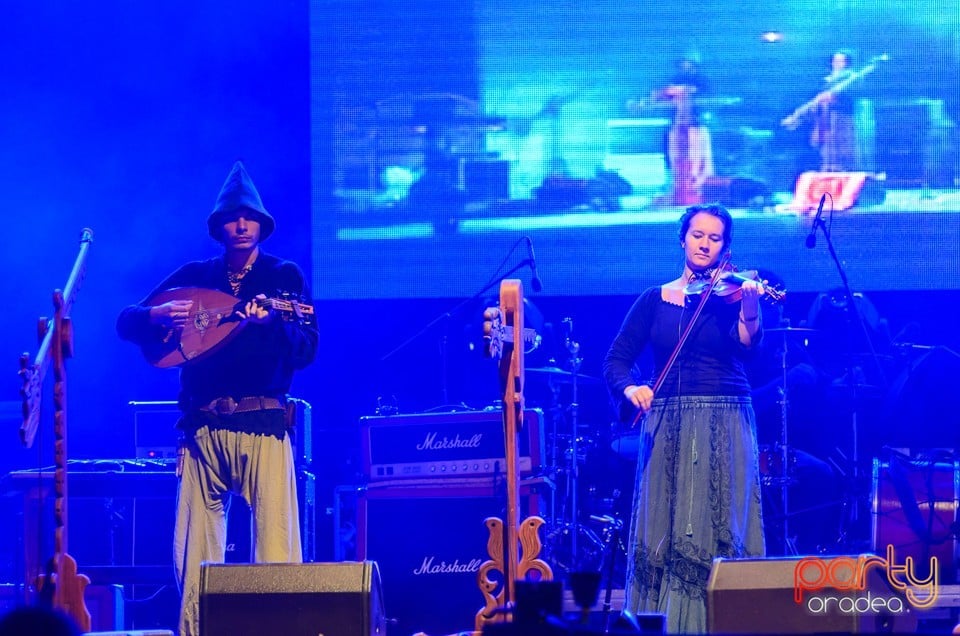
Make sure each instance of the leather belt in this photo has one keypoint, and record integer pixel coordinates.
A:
(229, 406)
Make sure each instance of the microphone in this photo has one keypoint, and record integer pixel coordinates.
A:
(812, 237)
(534, 278)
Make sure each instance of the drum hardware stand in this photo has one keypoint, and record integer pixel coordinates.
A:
(612, 544)
(781, 449)
(553, 448)
(568, 521)
(856, 497)
(789, 545)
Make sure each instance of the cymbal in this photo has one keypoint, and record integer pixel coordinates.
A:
(796, 334)
(841, 386)
(799, 331)
(559, 375)
(863, 358)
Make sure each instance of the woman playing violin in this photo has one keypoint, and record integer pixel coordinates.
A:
(697, 490)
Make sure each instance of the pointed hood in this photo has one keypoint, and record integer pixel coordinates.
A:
(239, 193)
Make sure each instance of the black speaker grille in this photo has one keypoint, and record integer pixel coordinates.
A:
(291, 599)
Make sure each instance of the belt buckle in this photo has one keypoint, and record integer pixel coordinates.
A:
(225, 406)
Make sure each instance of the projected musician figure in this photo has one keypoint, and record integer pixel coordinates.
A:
(233, 400)
(698, 485)
(832, 112)
(689, 147)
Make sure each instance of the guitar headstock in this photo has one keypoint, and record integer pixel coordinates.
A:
(493, 332)
(30, 396)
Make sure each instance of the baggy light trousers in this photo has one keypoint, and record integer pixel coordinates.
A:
(261, 469)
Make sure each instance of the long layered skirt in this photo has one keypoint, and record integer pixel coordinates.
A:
(697, 497)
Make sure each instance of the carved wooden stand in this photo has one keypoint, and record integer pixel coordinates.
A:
(59, 585)
(513, 547)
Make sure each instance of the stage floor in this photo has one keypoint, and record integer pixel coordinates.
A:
(903, 243)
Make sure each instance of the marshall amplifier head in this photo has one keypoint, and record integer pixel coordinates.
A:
(435, 445)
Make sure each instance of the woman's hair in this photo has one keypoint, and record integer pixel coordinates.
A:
(713, 209)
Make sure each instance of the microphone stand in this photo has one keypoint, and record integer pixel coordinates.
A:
(858, 316)
(446, 316)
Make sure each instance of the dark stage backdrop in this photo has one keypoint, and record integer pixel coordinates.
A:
(126, 118)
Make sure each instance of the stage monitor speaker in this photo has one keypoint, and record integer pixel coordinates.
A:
(756, 596)
(293, 599)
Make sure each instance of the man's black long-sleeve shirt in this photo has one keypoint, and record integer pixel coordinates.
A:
(259, 361)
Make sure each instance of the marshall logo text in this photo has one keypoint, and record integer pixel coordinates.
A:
(428, 567)
(432, 443)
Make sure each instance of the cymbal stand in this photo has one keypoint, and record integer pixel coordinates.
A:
(553, 449)
(789, 546)
(568, 521)
(573, 348)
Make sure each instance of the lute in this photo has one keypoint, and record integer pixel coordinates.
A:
(211, 324)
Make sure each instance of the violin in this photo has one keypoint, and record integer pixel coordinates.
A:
(729, 286)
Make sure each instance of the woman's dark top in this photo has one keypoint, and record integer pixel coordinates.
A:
(710, 363)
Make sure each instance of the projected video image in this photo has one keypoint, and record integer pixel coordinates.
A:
(588, 127)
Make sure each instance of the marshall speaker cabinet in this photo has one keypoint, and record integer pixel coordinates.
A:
(429, 539)
(433, 479)
(445, 445)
